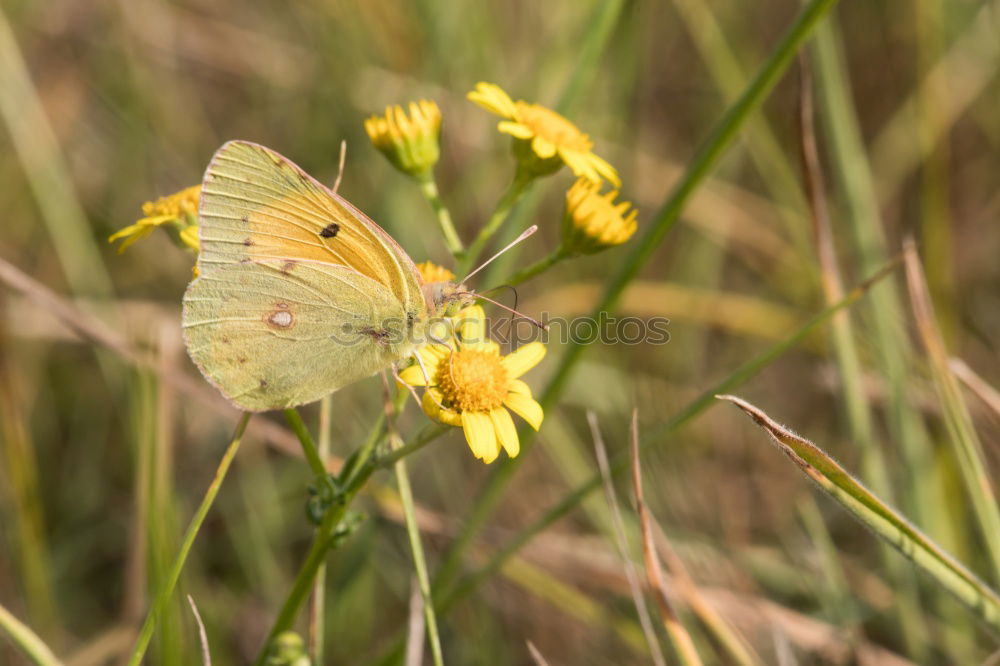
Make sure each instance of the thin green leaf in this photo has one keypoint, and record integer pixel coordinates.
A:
(882, 519)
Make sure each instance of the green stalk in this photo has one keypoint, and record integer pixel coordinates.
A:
(166, 590)
(539, 266)
(18, 452)
(518, 186)
(307, 572)
(419, 561)
(38, 150)
(317, 610)
(849, 365)
(968, 450)
(427, 435)
(763, 148)
(31, 646)
(359, 474)
(853, 173)
(600, 27)
(719, 140)
(429, 188)
(315, 461)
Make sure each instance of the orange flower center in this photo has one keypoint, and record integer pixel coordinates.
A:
(548, 124)
(472, 380)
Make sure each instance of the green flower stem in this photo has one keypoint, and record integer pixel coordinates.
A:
(423, 438)
(514, 192)
(355, 478)
(429, 188)
(307, 572)
(419, 561)
(166, 590)
(539, 266)
(21, 635)
(722, 136)
(309, 448)
(317, 609)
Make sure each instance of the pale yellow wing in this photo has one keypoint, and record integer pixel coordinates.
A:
(272, 336)
(258, 205)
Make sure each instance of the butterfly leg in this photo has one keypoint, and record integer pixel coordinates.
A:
(413, 391)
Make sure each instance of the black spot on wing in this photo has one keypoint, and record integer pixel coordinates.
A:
(330, 230)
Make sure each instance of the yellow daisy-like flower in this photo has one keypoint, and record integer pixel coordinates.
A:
(179, 210)
(409, 141)
(544, 140)
(472, 385)
(431, 273)
(593, 221)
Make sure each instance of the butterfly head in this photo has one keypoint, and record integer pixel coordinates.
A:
(446, 298)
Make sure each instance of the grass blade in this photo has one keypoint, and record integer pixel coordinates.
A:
(679, 636)
(968, 449)
(618, 527)
(722, 136)
(166, 590)
(883, 520)
(26, 640)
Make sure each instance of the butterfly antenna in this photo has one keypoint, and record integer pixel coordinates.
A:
(525, 234)
(510, 320)
(340, 169)
(537, 323)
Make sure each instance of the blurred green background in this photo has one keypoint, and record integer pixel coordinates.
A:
(109, 104)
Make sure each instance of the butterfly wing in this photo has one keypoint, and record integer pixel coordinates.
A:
(257, 205)
(272, 336)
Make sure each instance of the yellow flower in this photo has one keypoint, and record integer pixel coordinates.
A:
(410, 142)
(431, 273)
(179, 210)
(593, 221)
(544, 140)
(472, 386)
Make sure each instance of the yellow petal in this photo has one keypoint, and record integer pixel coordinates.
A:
(523, 359)
(606, 170)
(543, 147)
(480, 435)
(526, 408)
(189, 236)
(414, 376)
(470, 325)
(486, 345)
(581, 165)
(125, 232)
(493, 98)
(432, 354)
(516, 130)
(429, 403)
(517, 386)
(506, 432)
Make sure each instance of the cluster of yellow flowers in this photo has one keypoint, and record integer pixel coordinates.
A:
(467, 381)
(178, 210)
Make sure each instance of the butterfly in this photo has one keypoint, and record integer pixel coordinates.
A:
(298, 292)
